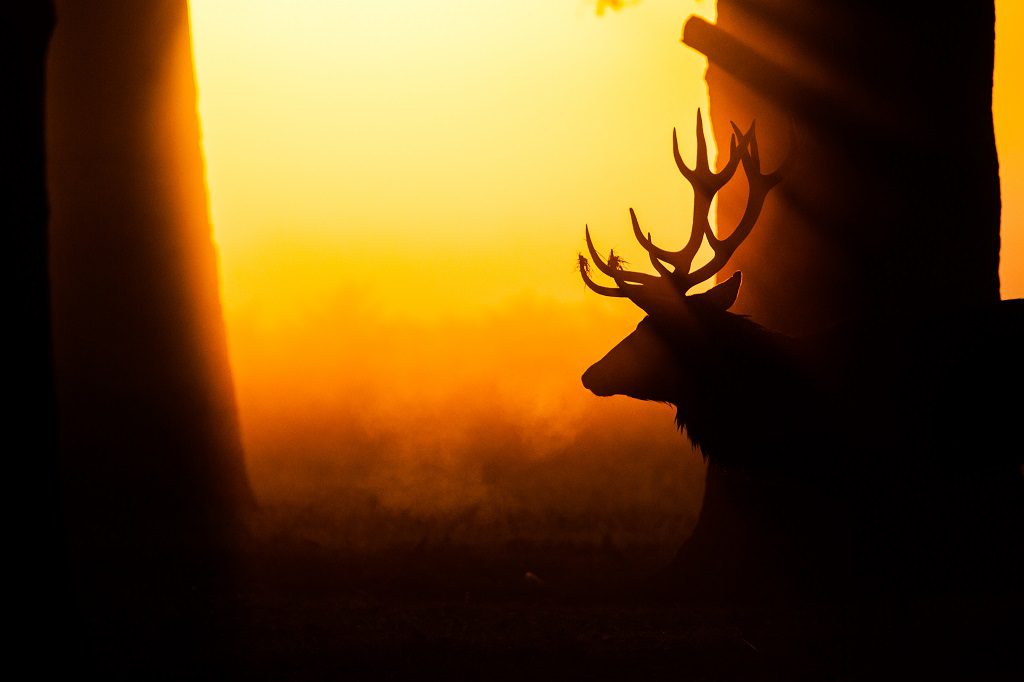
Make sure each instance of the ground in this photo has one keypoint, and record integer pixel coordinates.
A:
(301, 612)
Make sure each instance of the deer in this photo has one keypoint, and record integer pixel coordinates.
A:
(802, 495)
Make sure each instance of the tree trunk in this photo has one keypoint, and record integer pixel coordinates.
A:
(889, 212)
(149, 436)
(892, 199)
(39, 570)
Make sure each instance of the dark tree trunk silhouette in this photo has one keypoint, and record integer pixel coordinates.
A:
(894, 189)
(152, 458)
(38, 568)
(889, 211)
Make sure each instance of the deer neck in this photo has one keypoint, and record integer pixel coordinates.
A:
(737, 382)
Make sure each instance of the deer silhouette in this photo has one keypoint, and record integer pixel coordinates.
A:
(833, 460)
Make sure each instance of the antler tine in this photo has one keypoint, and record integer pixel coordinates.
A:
(706, 183)
(627, 283)
(701, 162)
(701, 173)
(671, 257)
(659, 266)
(612, 269)
(760, 185)
(584, 267)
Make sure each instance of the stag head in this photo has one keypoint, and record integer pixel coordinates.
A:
(688, 347)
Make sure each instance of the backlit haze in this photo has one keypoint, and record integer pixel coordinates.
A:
(398, 190)
(1008, 116)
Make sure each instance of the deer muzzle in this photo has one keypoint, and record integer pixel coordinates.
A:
(593, 383)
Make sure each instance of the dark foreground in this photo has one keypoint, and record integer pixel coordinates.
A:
(301, 612)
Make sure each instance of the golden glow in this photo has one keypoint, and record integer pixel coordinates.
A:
(398, 190)
(441, 155)
(1008, 116)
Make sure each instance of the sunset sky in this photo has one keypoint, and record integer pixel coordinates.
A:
(1008, 114)
(398, 190)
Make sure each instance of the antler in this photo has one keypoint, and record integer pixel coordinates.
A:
(706, 184)
(760, 185)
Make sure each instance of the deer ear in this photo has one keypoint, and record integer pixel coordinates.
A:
(722, 295)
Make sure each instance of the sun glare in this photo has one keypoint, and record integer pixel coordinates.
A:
(398, 190)
(435, 156)
(1008, 115)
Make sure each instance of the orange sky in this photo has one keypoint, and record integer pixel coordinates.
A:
(1008, 115)
(398, 190)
